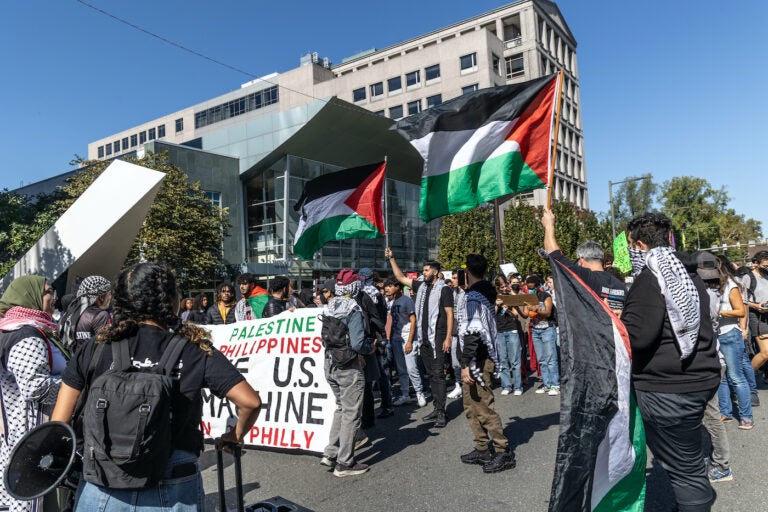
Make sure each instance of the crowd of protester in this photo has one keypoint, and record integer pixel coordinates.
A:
(697, 324)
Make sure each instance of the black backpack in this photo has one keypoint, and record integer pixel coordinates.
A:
(335, 334)
(127, 421)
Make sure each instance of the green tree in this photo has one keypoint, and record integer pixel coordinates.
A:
(182, 230)
(694, 208)
(25, 220)
(633, 198)
(464, 233)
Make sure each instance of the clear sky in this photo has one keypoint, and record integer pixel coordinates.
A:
(670, 88)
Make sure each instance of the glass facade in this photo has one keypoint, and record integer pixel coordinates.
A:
(271, 226)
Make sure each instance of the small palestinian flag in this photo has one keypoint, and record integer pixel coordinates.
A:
(257, 299)
(600, 461)
(483, 145)
(338, 206)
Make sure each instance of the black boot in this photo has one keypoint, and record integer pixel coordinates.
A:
(501, 461)
(477, 457)
(431, 416)
(441, 420)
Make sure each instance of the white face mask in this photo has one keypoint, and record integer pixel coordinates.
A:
(637, 258)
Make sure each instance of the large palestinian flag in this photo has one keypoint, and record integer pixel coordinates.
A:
(483, 145)
(338, 206)
(600, 463)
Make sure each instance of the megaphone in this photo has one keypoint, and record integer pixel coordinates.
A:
(40, 461)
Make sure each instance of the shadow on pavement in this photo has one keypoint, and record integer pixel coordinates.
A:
(520, 430)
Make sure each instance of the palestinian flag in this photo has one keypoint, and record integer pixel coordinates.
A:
(257, 299)
(600, 463)
(483, 145)
(338, 206)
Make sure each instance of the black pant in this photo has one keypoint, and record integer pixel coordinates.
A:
(673, 433)
(433, 363)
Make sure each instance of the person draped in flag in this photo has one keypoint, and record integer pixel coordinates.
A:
(434, 325)
(253, 299)
(479, 360)
(675, 367)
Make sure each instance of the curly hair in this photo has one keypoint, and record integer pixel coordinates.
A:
(147, 292)
(650, 228)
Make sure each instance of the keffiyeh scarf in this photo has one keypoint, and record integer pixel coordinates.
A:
(480, 319)
(434, 310)
(18, 317)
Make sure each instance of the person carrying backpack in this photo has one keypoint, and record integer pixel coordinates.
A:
(343, 334)
(143, 404)
(87, 313)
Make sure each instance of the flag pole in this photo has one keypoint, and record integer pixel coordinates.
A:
(386, 209)
(497, 229)
(551, 179)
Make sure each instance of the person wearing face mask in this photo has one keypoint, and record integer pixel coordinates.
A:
(675, 366)
(756, 283)
(280, 292)
(508, 335)
(544, 335)
(434, 326)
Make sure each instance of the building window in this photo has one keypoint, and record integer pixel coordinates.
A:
(142, 137)
(117, 146)
(434, 100)
(414, 107)
(468, 62)
(432, 73)
(213, 197)
(496, 61)
(514, 65)
(469, 88)
(395, 84)
(396, 112)
(134, 140)
(377, 90)
(101, 148)
(152, 134)
(412, 79)
(358, 94)
(161, 131)
(109, 149)
(180, 125)
(237, 107)
(379, 113)
(125, 143)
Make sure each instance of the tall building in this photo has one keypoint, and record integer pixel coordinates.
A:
(289, 127)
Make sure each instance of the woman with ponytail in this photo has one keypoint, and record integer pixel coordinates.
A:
(146, 304)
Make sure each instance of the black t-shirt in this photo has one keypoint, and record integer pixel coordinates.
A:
(197, 370)
(605, 285)
(446, 301)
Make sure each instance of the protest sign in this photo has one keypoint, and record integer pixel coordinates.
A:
(508, 268)
(621, 253)
(282, 357)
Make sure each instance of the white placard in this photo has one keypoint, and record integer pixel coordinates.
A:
(508, 268)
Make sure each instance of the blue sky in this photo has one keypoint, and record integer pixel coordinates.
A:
(670, 88)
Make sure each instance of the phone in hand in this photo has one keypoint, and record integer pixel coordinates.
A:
(461, 278)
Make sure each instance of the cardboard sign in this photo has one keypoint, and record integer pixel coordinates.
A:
(519, 300)
(282, 357)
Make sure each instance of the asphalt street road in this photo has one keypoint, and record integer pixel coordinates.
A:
(417, 468)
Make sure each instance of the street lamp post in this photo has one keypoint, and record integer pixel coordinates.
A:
(610, 197)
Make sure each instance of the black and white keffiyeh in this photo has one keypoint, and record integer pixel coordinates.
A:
(680, 296)
(343, 303)
(434, 310)
(478, 318)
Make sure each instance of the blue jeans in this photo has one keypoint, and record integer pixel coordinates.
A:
(545, 343)
(183, 494)
(407, 366)
(509, 358)
(732, 348)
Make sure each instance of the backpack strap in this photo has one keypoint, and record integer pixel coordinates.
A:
(172, 353)
(751, 287)
(121, 355)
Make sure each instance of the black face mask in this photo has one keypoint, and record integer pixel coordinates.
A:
(763, 272)
(515, 287)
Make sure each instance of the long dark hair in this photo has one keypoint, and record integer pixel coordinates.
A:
(147, 292)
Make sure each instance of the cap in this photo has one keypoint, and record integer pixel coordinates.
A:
(330, 285)
(365, 273)
(706, 266)
(346, 276)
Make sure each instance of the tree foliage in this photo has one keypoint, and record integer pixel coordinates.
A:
(465, 233)
(633, 198)
(182, 230)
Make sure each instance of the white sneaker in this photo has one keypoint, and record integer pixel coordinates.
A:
(401, 400)
(421, 399)
(518, 392)
(541, 389)
(505, 392)
(456, 393)
(553, 391)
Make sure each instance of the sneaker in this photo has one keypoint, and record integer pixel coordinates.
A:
(386, 413)
(754, 400)
(401, 400)
(456, 393)
(441, 420)
(541, 389)
(518, 392)
(328, 461)
(476, 456)
(501, 462)
(746, 424)
(553, 391)
(431, 416)
(716, 474)
(360, 439)
(505, 392)
(343, 470)
(421, 399)
(726, 419)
